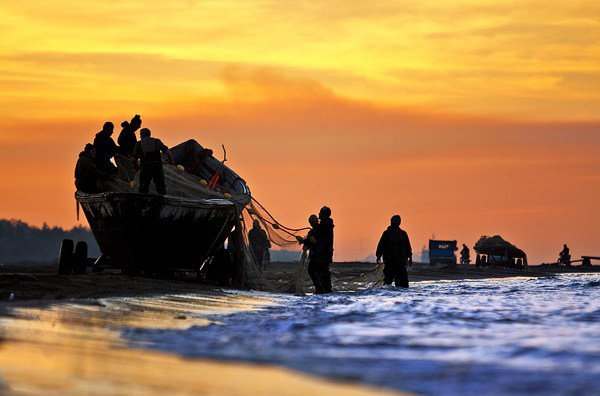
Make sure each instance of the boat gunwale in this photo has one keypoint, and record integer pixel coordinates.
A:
(82, 197)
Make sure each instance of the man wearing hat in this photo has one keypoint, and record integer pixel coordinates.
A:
(127, 138)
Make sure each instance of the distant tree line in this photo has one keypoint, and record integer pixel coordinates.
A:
(21, 242)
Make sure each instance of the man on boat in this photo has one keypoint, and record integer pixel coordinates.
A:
(149, 150)
(394, 247)
(127, 139)
(465, 255)
(86, 172)
(259, 243)
(324, 248)
(105, 149)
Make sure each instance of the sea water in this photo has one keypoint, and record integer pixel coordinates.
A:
(483, 337)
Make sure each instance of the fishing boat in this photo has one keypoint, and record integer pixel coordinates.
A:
(155, 233)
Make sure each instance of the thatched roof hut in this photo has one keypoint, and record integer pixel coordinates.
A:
(495, 250)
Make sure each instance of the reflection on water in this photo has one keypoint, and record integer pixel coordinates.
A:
(76, 349)
(492, 337)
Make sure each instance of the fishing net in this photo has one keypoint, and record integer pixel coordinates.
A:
(247, 274)
(296, 280)
(191, 178)
(278, 234)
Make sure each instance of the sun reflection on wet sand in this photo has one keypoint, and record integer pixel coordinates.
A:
(71, 348)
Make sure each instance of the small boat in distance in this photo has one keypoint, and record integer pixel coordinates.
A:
(153, 233)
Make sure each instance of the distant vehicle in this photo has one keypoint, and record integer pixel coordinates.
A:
(442, 252)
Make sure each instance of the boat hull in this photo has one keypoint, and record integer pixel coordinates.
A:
(150, 232)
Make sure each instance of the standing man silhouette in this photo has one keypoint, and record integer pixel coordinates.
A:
(324, 248)
(259, 244)
(394, 247)
(149, 150)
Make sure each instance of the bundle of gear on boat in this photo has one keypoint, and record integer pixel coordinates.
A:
(244, 255)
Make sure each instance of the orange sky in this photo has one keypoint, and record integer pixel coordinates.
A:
(465, 117)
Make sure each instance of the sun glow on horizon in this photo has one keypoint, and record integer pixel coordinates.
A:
(466, 117)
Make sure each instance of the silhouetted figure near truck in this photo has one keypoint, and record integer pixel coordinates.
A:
(127, 138)
(86, 172)
(465, 255)
(259, 243)
(394, 247)
(149, 150)
(106, 148)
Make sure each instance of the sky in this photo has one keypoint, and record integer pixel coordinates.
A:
(467, 118)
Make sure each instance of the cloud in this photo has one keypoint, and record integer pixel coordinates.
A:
(247, 84)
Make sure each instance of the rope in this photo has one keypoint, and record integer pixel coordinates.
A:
(275, 225)
(281, 226)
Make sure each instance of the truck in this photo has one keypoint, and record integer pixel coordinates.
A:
(442, 252)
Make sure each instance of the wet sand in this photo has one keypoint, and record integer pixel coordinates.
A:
(74, 348)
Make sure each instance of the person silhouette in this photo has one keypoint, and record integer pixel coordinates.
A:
(394, 247)
(465, 255)
(309, 244)
(149, 150)
(564, 256)
(105, 149)
(259, 243)
(324, 248)
(127, 138)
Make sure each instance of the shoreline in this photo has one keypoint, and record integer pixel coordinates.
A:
(39, 282)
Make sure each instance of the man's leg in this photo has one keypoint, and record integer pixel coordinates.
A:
(159, 180)
(326, 278)
(145, 178)
(313, 272)
(401, 275)
(388, 273)
(258, 256)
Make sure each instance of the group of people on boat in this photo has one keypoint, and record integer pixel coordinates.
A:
(94, 163)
